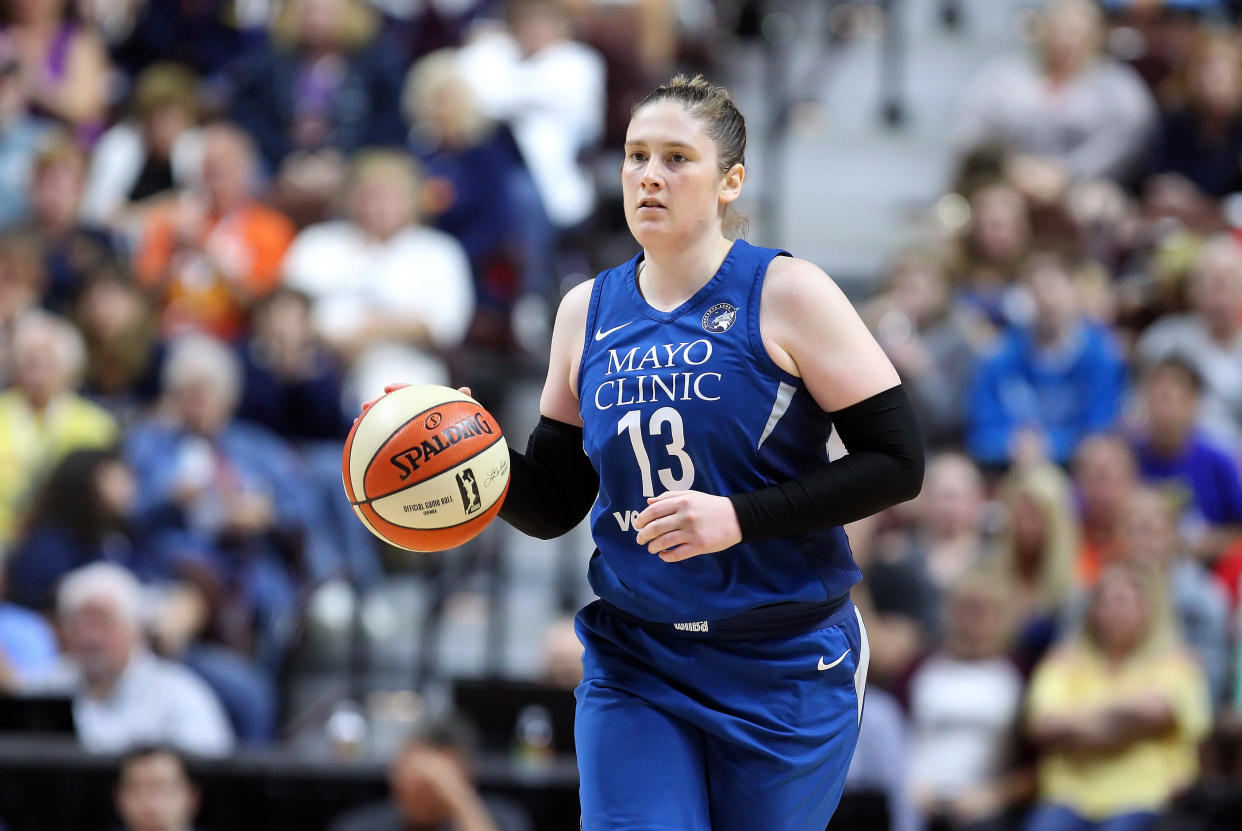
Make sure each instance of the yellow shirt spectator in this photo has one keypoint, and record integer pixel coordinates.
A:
(30, 443)
(1142, 775)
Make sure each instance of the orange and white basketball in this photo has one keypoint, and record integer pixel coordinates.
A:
(426, 468)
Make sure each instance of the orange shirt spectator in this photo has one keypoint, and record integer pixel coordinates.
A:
(210, 256)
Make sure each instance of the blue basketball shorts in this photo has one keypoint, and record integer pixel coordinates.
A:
(680, 733)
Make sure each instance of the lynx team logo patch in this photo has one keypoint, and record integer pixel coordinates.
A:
(720, 317)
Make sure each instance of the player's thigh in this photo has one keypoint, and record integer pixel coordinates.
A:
(785, 770)
(752, 789)
(640, 769)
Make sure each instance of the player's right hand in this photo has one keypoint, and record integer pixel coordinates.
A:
(366, 405)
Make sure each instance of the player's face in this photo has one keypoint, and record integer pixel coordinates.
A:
(671, 180)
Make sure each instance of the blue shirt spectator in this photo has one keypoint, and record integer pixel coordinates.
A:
(1058, 379)
(1208, 474)
(1174, 453)
(233, 487)
(27, 643)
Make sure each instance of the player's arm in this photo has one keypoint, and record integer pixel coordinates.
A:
(553, 484)
(810, 326)
(810, 329)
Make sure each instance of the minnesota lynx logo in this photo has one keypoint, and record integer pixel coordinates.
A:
(469, 491)
(720, 317)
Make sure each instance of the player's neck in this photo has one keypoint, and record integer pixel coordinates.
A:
(671, 276)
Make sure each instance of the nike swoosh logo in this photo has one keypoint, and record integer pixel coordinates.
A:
(823, 666)
(600, 334)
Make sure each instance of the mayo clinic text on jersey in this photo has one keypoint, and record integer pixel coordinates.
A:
(648, 387)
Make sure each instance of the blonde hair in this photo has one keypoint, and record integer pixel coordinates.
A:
(357, 26)
(1050, 490)
(433, 72)
(712, 105)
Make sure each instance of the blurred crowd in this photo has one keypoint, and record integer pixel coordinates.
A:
(1054, 621)
(223, 224)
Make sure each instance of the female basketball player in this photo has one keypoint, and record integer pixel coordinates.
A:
(694, 389)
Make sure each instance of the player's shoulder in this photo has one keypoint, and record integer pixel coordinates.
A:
(793, 282)
(576, 301)
(571, 314)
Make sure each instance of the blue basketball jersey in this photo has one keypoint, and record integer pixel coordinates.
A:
(691, 400)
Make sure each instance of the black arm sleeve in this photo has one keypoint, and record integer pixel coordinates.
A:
(552, 486)
(884, 466)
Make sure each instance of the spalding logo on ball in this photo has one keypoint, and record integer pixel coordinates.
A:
(426, 468)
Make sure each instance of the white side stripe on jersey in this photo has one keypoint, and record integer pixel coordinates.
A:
(864, 660)
(784, 394)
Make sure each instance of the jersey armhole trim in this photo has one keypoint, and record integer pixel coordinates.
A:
(763, 359)
(597, 288)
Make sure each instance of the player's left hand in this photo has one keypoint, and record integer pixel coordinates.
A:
(678, 525)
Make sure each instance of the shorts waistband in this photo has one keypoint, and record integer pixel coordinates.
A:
(779, 621)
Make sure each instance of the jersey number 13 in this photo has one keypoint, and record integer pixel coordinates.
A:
(631, 422)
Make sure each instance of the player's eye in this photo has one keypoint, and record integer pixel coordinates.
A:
(638, 156)
(677, 158)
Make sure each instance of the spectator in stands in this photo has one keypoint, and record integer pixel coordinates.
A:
(1118, 713)
(154, 791)
(1049, 383)
(929, 342)
(72, 250)
(470, 162)
(85, 513)
(549, 89)
(326, 83)
(81, 515)
(1068, 111)
(21, 134)
(41, 418)
(293, 387)
(964, 702)
(432, 788)
(989, 252)
(148, 155)
(21, 285)
(1104, 477)
(123, 694)
(210, 256)
(1174, 453)
(124, 351)
(1200, 608)
(1036, 555)
(1201, 137)
(235, 492)
(390, 296)
(62, 63)
(1210, 336)
(910, 569)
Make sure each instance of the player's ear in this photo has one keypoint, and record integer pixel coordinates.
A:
(731, 183)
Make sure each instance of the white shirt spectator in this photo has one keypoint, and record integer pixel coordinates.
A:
(154, 702)
(419, 272)
(1220, 365)
(1098, 124)
(553, 102)
(963, 720)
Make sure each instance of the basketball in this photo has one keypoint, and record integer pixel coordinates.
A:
(426, 468)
